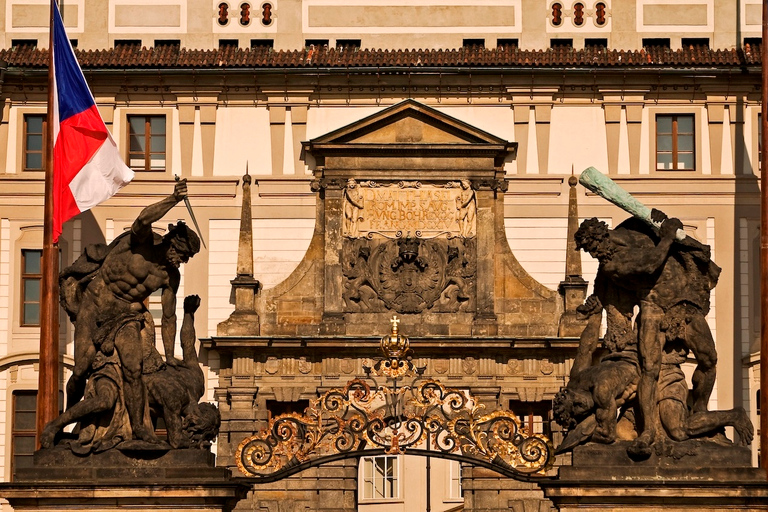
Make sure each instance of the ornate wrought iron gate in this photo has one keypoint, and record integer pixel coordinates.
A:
(395, 410)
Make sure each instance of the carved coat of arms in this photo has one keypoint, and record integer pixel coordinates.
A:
(272, 365)
(440, 365)
(409, 275)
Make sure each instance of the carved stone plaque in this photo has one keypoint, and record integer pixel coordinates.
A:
(392, 210)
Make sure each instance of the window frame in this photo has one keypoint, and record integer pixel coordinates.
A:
(675, 138)
(17, 433)
(395, 486)
(147, 153)
(24, 150)
(699, 127)
(25, 276)
(527, 412)
(454, 474)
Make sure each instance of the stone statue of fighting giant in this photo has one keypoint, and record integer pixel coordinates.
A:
(648, 263)
(103, 293)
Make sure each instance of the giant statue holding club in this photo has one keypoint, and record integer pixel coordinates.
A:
(648, 265)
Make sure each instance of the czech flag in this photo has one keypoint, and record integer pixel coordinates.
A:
(87, 168)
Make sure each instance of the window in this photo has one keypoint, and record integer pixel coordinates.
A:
(146, 143)
(276, 407)
(473, 43)
(266, 14)
(31, 277)
(757, 409)
(223, 17)
(687, 42)
(454, 488)
(233, 43)
(597, 42)
(23, 42)
(127, 42)
(34, 147)
(262, 43)
(380, 477)
(600, 14)
(73, 42)
(534, 416)
(167, 42)
(561, 43)
(506, 43)
(23, 430)
(351, 44)
(317, 43)
(578, 14)
(656, 42)
(557, 14)
(674, 143)
(245, 14)
(753, 42)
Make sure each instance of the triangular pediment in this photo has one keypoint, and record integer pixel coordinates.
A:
(408, 122)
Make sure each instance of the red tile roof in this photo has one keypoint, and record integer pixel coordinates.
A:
(231, 57)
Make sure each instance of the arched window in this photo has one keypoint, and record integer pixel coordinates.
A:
(557, 14)
(266, 14)
(578, 14)
(600, 14)
(245, 14)
(223, 13)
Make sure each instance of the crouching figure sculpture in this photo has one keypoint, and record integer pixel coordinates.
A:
(173, 393)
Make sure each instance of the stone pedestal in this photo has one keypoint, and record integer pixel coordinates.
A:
(148, 481)
(687, 476)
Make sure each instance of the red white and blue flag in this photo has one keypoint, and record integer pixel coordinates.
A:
(87, 167)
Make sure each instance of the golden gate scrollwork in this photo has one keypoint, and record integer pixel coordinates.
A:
(421, 417)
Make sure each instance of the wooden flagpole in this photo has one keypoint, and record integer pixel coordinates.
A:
(48, 376)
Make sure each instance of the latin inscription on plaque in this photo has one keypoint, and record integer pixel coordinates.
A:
(396, 209)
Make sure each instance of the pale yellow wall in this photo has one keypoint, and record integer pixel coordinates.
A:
(383, 24)
(537, 243)
(585, 150)
(242, 136)
(278, 247)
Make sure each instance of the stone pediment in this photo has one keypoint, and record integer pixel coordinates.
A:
(409, 122)
(408, 129)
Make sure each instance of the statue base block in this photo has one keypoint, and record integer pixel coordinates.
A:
(688, 476)
(143, 480)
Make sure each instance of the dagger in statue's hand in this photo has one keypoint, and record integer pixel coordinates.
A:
(192, 214)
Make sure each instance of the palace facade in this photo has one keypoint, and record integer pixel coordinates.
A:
(410, 101)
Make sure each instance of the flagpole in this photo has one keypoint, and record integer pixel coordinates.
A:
(764, 245)
(48, 375)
